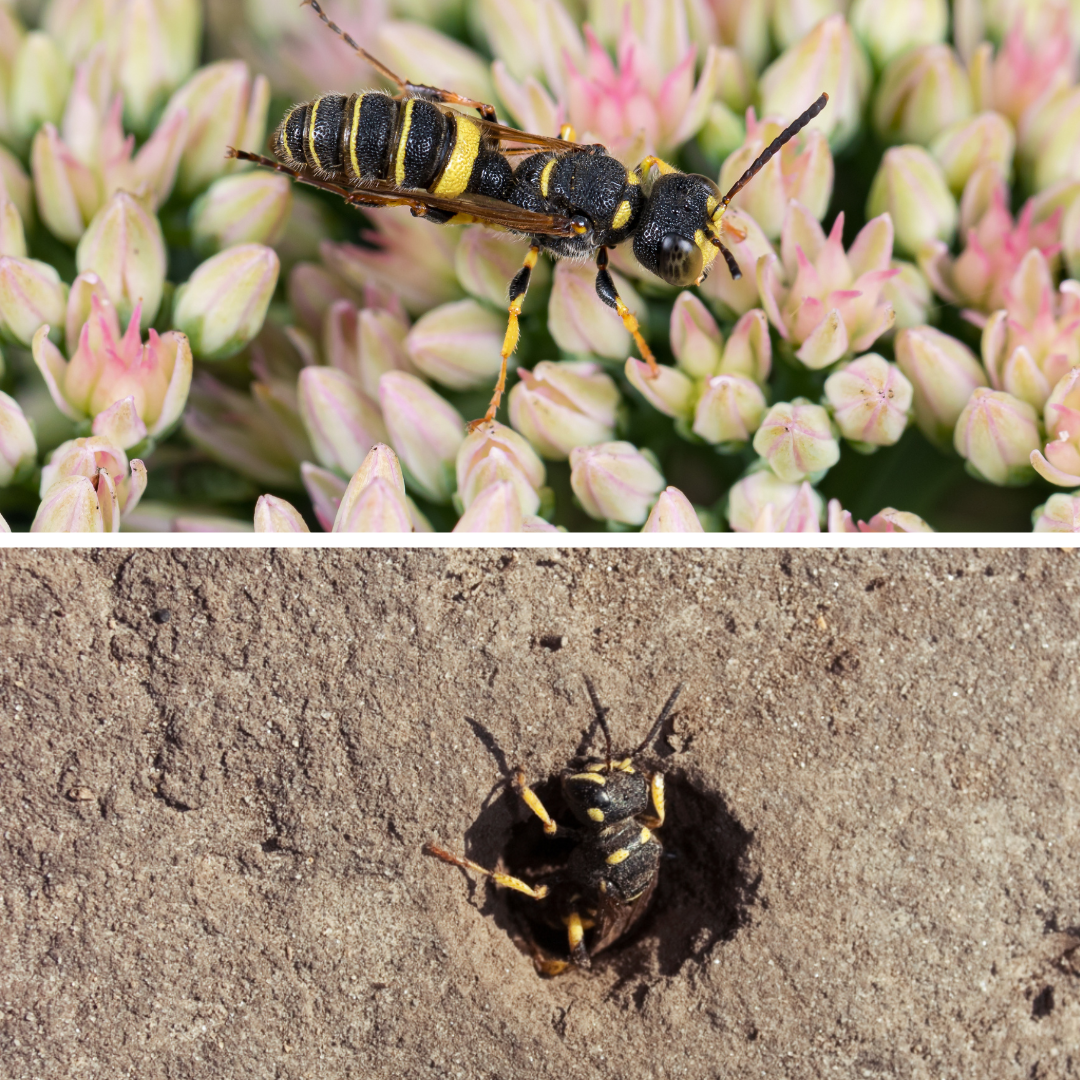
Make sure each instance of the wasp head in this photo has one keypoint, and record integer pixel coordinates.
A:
(675, 237)
(599, 797)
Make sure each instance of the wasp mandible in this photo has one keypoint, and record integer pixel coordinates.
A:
(605, 888)
(415, 149)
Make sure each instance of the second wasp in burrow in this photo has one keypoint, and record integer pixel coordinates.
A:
(415, 149)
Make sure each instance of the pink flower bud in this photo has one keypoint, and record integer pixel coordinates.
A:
(579, 321)
(921, 93)
(80, 306)
(249, 208)
(425, 430)
(486, 262)
(18, 449)
(910, 186)
(762, 502)
(870, 400)
(68, 192)
(377, 506)
(124, 246)
(967, 145)
(312, 291)
(494, 453)
(496, 509)
(530, 524)
(558, 406)
(274, 515)
(4, 526)
(804, 173)
(748, 351)
(70, 506)
(670, 391)
(885, 521)
(1049, 139)
(325, 489)
(120, 423)
(342, 422)
(696, 340)
(458, 345)
(1061, 465)
(1059, 514)
(672, 513)
(39, 82)
(797, 440)
(888, 29)
(225, 107)
(996, 433)
(107, 368)
(909, 294)
(15, 184)
(615, 481)
(743, 294)
(730, 410)
(223, 304)
(828, 58)
(943, 373)
(31, 293)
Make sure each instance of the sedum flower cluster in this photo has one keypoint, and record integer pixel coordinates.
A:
(191, 343)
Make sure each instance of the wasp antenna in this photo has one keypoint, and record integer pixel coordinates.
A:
(666, 711)
(732, 265)
(774, 147)
(601, 717)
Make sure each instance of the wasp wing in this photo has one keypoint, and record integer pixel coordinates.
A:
(615, 920)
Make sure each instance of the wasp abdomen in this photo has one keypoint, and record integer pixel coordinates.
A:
(619, 862)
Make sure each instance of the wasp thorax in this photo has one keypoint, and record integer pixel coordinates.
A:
(600, 798)
(672, 237)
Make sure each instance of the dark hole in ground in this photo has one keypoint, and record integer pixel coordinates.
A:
(1043, 1005)
(704, 894)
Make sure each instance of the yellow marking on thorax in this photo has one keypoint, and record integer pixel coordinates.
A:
(353, 130)
(632, 177)
(595, 813)
(708, 249)
(622, 215)
(311, 133)
(403, 139)
(646, 835)
(595, 778)
(455, 177)
(545, 176)
(623, 766)
(617, 857)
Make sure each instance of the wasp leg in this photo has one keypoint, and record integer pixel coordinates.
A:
(575, 931)
(537, 893)
(660, 163)
(532, 801)
(605, 289)
(566, 132)
(518, 288)
(656, 791)
(405, 87)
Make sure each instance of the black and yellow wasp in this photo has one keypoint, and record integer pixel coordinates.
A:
(604, 888)
(416, 149)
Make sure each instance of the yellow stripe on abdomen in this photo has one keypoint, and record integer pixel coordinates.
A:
(403, 140)
(353, 130)
(545, 176)
(311, 133)
(456, 175)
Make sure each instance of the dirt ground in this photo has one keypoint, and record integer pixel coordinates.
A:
(219, 769)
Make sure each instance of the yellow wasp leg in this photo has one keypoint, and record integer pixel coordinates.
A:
(566, 132)
(650, 161)
(605, 288)
(537, 893)
(518, 288)
(575, 931)
(656, 789)
(532, 801)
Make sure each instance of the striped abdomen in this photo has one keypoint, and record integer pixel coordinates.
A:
(412, 143)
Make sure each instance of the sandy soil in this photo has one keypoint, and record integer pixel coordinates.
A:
(219, 770)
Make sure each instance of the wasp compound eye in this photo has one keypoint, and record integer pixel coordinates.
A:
(679, 261)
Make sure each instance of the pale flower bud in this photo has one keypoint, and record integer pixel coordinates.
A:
(870, 400)
(672, 514)
(615, 481)
(996, 433)
(888, 29)
(696, 340)
(910, 186)
(797, 440)
(909, 293)
(496, 509)
(558, 406)
(4, 526)
(1059, 514)
(70, 506)
(828, 58)
(425, 430)
(341, 421)
(15, 184)
(1049, 139)
(964, 147)
(40, 79)
(457, 345)
(12, 237)
(325, 489)
(748, 351)
(225, 107)
(375, 506)
(249, 208)
(921, 93)
(223, 304)
(68, 191)
(31, 293)
(1061, 465)
(730, 410)
(944, 373)
(792, 20)
(579, 321)
(493, 453)
(124, 246)
(274, 515)
(486, 264)
(18, 449)
(670, 391)
(762, 502)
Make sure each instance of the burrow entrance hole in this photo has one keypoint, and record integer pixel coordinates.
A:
(704, 895)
